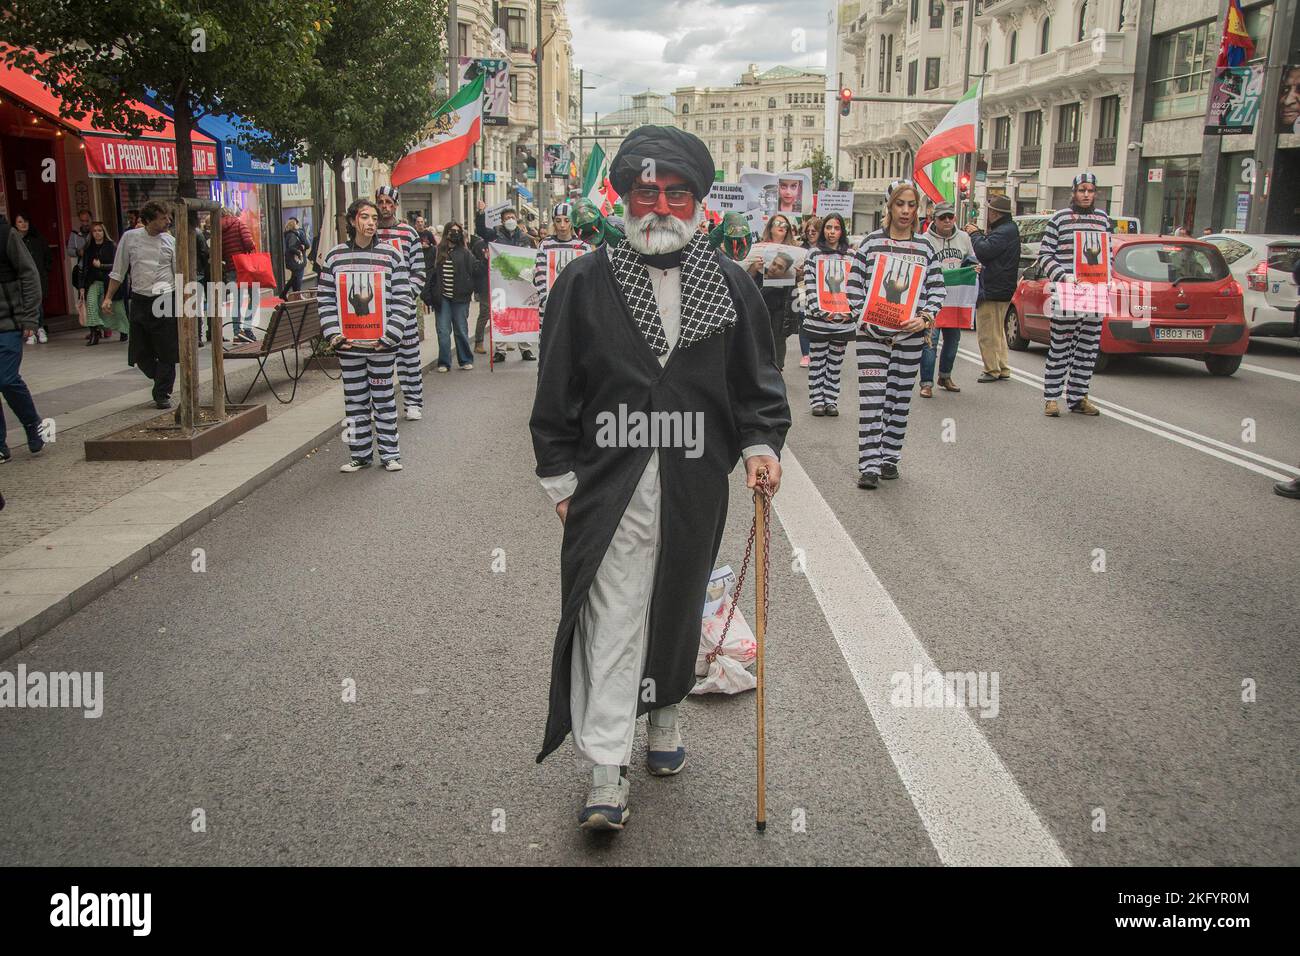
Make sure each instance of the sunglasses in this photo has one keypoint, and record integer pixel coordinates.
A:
(647, 196)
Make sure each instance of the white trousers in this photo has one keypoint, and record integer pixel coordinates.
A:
(609, 641)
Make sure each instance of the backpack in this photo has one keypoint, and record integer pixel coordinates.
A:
(8, 277)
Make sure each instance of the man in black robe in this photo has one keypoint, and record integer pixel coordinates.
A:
(657, 376)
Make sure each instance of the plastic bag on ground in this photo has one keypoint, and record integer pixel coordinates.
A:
(726, 673)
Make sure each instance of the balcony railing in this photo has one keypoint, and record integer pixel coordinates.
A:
(1030, 156)
(1103, 151)
(1065, 154)
(1000, 158)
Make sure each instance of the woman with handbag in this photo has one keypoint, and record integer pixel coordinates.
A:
(96, 261)
(295, 257)
(452, 283)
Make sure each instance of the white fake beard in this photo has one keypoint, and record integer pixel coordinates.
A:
(654, 235)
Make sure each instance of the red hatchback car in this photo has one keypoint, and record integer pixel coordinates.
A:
(1166, 296)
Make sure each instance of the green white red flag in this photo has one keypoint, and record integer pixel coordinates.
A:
(954, 135)
(595, 181)
(457, 126)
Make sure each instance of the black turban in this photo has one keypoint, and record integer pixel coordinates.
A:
(673, 150)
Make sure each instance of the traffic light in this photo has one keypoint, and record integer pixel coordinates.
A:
(846, 98)
(963, 184)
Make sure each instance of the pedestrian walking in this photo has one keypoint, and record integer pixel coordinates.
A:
(888, 357)
(1076, 332)
(149, 254)
(997, 248)
(76, 243)
(556, 251)
(295, 256)
(642, 527)
(478, 247)
(363, 295)
(455, 274)
(827, 321)
(954, 249)
(780, 232)
(20, 290)
(97, 256)
(403, 237)
(810, 229)
(39, 250)
(237, 238)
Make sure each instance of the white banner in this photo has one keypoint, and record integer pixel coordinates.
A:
(492, 215)
(511, 293)
(833, 200)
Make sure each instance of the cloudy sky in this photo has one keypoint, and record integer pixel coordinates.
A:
(628, 46)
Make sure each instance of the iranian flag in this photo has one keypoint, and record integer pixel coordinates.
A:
(954, 135)
(595, 181)
(456, 128)
(958, 310)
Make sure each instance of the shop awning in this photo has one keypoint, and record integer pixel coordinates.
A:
(152, 154)
(234, 164)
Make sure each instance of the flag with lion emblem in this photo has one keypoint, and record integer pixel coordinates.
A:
(456, 128)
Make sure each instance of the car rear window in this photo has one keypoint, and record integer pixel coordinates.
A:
(1232, 249)
(1031, 230)
(1170, 262)
(1283, 258)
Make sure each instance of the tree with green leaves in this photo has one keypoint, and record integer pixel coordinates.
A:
(371, 89)
(250, 57)
(823, 171)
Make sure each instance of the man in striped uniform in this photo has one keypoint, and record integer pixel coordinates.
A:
(1076, 334)
(364, 297)
(563, 247)
(403, 237)
(888, 356)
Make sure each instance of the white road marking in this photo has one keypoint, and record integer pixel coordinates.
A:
(1262, 370)
(1277, 470)
(972, 808)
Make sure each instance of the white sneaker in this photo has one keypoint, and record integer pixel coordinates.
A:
(665, 753)
(467, 366)
(413, 413)
(356, 464)
(393, 465)
(41, 336)
(606, 807)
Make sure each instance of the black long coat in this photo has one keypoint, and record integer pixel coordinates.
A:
(594, 359)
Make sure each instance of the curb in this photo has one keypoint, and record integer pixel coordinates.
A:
(36, 622)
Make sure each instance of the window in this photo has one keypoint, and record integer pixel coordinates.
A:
(686, 108)
(915, 11)
(1123, 14)
(1170, 262)
(931, 72)
(1011, 46)
(753, 122)
(462, 38)
(789, 144)
(984, 59)
(740, 145)
(770, 123)
(911, 78)
(514, 87)
(1108, 118)
(1002, 132)
(956, 17)
(770, 167)
(726, 145)
(880, 80)
(713, 125)
(1181, 71)
(771, 145)
(517, 28)
(1083, 21)
(726, 124)
(699, 125)
(889, 74)
(771, 102)
(809, 121)
(753, 145)
(936, 14)
(1045, 36)
(1031, 129)
(1232, 249)
(1067, 123)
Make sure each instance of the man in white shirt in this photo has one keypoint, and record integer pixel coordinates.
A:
(149, 255)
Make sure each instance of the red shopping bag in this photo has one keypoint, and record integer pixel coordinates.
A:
(254, 267)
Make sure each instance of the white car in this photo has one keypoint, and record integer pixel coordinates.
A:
(1262, 266)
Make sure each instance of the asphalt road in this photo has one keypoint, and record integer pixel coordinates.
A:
(1119, 691)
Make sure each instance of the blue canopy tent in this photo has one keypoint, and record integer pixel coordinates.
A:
(234, 164)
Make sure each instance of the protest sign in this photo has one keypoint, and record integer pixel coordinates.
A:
(789, 192)
(492, 215)
(1092, 256)
(834, 200)
(725, 197)
(895, 291)
(557, 259)
(781, 263)
(832, 274)
(362, 298)
(511, 293)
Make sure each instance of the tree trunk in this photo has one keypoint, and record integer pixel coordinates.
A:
(340, 199)
(183, 121)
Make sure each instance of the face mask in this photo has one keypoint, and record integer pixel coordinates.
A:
(454, 237)
(509, 224)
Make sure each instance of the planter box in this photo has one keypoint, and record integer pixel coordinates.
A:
(154, 440)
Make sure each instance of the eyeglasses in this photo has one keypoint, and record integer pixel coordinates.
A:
(947, 215)
(649, 196)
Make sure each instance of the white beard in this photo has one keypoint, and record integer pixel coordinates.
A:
(654, 235)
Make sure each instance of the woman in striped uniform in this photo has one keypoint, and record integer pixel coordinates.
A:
(824, 273)
(888, 357)
(1076, 334)
(403, 237)
(364, 295)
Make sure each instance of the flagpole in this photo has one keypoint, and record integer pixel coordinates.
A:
(969, 161)
(453, 71)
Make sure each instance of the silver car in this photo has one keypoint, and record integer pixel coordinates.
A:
(1262, 266)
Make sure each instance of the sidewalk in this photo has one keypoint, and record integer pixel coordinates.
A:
(72, 529)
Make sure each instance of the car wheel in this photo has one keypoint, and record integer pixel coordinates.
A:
(1015, 341)
(1222, 364)
(1103, 362)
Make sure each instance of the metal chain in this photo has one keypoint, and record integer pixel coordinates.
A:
(744, 566)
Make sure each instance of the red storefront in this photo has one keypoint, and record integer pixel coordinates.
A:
(53, 167)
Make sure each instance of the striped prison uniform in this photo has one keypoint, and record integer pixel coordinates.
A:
(828, 334)
(369, 388)
(403, 237)
(1076, 336)
(539, 268)
(888, 359)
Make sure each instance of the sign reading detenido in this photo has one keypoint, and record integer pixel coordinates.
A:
(128, 157)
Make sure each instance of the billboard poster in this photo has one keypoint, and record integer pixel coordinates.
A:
(1235, 95)
(496, 87)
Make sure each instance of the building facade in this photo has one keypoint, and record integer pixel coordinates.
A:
(769, 121)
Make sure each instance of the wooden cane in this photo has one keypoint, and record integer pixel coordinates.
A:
(760, 619)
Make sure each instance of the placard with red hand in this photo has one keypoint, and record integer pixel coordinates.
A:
(895, 291)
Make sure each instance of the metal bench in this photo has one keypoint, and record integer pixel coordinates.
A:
(293, 324)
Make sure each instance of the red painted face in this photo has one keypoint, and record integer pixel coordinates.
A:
(668, 202)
